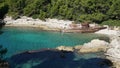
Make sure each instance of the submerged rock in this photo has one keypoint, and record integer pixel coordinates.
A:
(50, 58)
(106, 62)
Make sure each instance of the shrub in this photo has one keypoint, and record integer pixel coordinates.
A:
(111, 22)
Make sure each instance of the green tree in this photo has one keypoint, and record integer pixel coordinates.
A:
(96, 11)
(3, 10)
(114, 11)
(42, 15)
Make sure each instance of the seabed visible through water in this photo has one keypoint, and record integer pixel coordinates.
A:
(18, 40)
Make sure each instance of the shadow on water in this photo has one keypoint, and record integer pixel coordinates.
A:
(1, 32)
(56, 59)
(2, 23)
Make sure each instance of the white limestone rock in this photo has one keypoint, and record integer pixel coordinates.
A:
(28, 21)
(65, 48)
(109, 32)
(114, 49)
(95, 45)
(113, 53)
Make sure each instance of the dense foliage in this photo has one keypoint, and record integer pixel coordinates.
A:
(98, 11)
(3, 8)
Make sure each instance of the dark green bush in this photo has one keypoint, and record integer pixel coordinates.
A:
(96, 11)
(111, 22)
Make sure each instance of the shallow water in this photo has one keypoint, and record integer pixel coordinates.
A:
(18, 40)
(21, 39)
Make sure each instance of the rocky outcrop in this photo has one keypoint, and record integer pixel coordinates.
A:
(95, 45)
(78, 47)
(65, 48)
(108, 31)
(113, 52)
(112, 49)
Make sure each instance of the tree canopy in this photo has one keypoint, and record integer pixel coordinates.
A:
(3, 8)
(97, 11)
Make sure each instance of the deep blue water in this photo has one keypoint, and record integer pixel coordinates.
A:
(55, 59)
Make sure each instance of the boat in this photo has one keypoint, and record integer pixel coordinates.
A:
(85, 28)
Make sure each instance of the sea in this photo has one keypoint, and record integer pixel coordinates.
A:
(18, 40)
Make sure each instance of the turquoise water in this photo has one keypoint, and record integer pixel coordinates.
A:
(21, 39)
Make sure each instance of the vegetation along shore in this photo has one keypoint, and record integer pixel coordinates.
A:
(83, 16)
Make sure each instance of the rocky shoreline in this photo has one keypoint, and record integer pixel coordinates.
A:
(113, 52)
(77, 49)
(48, 24)
(112, 49)
(95, 45)
(52, 24)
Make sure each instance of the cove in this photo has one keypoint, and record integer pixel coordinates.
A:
(20, 39)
